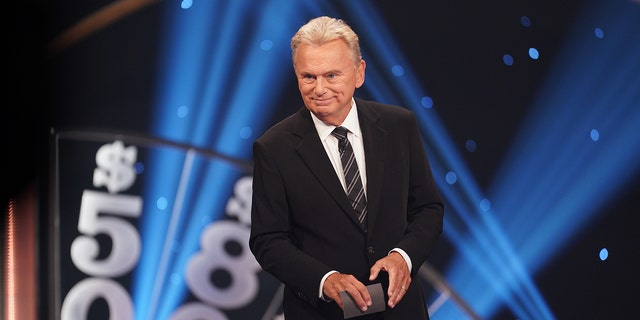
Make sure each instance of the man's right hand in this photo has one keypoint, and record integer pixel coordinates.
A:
(339, 282)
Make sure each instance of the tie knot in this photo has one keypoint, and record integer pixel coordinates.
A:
(340, 132)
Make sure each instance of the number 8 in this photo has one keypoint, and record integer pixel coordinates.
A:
(214, 257)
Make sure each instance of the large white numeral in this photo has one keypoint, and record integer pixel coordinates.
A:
(197, 311)
(79, 299)
(125, 250)
(213, 257)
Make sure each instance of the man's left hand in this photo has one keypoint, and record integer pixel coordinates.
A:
(399, 276)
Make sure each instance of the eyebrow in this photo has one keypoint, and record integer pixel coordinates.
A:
(306, 73)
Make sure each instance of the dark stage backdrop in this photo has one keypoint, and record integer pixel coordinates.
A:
(142, 115)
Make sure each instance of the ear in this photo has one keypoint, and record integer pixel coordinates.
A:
(360, 73)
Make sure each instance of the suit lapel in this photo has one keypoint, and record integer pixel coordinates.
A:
(313, 154)
(375, 141)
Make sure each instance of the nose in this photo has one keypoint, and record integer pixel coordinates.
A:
(320, 88)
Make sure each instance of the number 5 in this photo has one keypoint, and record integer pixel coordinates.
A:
(125, 249)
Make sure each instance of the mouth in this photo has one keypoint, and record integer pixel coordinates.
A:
(322, 102)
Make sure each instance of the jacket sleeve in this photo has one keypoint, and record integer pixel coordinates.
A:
(425, 208)
(270, 239)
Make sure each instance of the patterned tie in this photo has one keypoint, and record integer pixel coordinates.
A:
(355, 191)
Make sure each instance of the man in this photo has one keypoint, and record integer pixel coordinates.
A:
(304, 229)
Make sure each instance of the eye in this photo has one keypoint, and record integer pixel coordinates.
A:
(333, 77)
(307, 78)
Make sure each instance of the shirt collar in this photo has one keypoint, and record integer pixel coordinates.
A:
(351, 123)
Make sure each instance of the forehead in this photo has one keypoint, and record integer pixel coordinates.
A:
(331, 56)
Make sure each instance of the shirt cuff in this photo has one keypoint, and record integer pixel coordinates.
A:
(320, 293)
(404, 255)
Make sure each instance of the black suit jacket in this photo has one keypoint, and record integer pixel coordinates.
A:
(302, 223)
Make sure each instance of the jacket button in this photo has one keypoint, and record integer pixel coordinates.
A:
(370, 250)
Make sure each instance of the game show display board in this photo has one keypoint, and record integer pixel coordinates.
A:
(146, 229)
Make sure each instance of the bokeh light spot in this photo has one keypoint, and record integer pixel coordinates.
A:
(162, 203)
(485, 205)
(427, 102)
(139, 167)
(397, 70)
(470, 145)
(451, 177)
(507, 59)
(604, 254)
(186, 4)
(266, 45)
(599, 33)
(534, 54)
(182, 111)
(246, 132)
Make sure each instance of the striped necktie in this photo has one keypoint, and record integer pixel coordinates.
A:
(354, 190)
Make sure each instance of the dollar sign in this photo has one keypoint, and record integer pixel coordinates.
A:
(240, 205)
(115, 167)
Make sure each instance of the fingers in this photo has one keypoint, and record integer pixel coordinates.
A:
(399, 276)
(397, 295)
(338, 282)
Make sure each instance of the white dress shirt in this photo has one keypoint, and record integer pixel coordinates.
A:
(330, 144)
